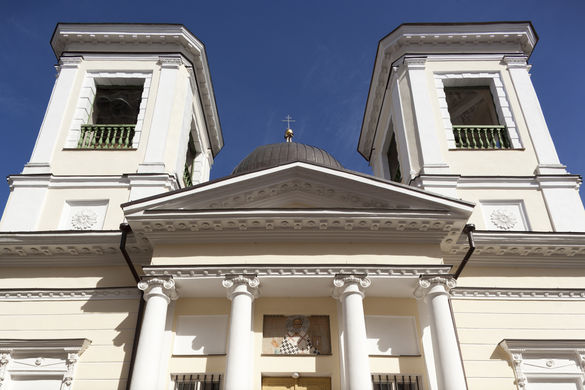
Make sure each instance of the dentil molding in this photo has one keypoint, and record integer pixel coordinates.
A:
(88, 294)
(518, 294)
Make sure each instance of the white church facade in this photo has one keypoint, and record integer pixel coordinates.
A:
(459, 264)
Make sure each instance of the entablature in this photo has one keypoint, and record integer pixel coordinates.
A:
(278, 280)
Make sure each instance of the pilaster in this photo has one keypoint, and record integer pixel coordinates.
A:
(161, 120)
(40, 160)
(548, 160)
(426, 127)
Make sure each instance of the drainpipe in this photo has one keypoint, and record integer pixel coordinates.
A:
(125, 229)
(468, 229)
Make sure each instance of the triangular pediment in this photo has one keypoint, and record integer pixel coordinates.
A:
(298, 201)
(299, 186)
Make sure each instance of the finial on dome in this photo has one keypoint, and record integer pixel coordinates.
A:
(288, 134)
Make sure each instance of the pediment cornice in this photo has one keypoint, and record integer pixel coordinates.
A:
(299, 201)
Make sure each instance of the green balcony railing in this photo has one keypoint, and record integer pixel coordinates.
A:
(187, 176)
(106, 137)
(481, 137)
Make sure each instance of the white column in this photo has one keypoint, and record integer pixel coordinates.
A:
(52, 122)
(242, 289)
(161, 118)
(548, 160)
(349, 289)
(158, 293)
(426, 126)
(434, 292)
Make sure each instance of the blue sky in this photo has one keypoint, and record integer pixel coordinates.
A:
(310, 59)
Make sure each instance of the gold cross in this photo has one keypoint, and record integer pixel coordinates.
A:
(288, 120)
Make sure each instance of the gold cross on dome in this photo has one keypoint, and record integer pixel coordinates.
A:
(288, 119)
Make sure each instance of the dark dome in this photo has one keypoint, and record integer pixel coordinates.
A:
(267, 156)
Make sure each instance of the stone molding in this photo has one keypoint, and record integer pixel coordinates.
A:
(158, 286)
(427, 282)
(518, 294)
(69, 294)
(249, 281)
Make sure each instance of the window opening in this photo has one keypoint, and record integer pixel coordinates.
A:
(116, 104)
(113, 118)
(474, 118)
(189, 161)
(396, 382)
(197, 382)
(393, 162)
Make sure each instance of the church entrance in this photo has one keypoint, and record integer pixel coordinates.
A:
(307, 383)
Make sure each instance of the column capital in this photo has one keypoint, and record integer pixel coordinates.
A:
(350, 283)
(241, 284)
(415, 62)
(170, 62)
(516, 62)
(163, 286)
(435, 284)
(69, 62)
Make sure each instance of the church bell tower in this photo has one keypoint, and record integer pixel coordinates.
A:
(132, 114)
(452, 110)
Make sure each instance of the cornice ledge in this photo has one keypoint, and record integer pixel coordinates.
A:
(77, 346)
(86, 294)
(65, 247)
(534, 244)
(518, 294)
(277, 270)
(548, 345)
(407, 225)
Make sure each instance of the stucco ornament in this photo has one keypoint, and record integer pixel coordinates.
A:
(4, 360)
(84, 219)
(503, 219)
(71, 361)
